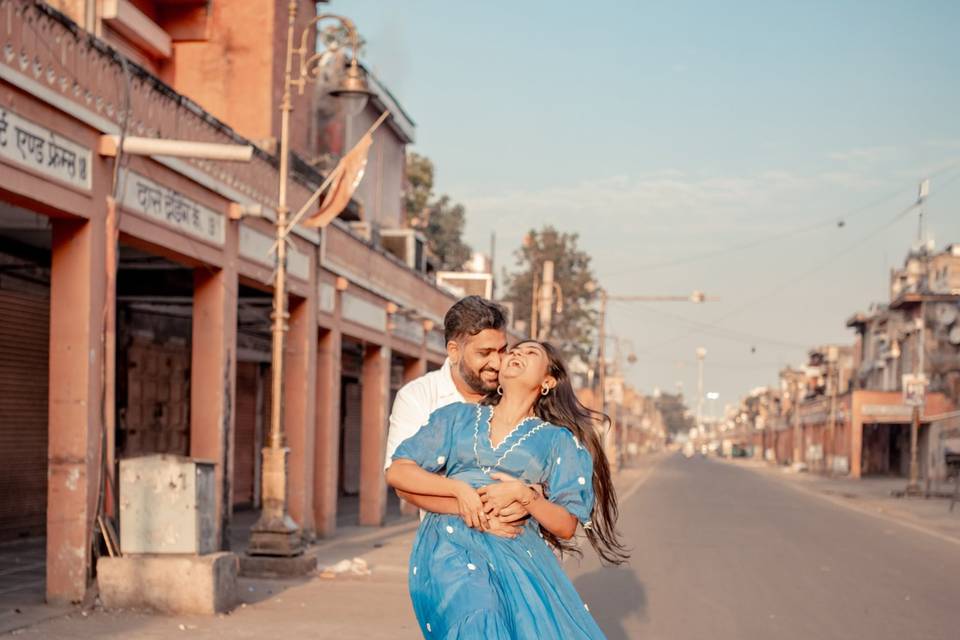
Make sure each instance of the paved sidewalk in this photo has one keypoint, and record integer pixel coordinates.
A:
(374, 606)
(346, 607)
(870, 495)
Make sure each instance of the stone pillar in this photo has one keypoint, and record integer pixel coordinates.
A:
(299, 416)
(856, 436)
(413, 368)
(375, 390)
(213, 373)
(78, 297)
(327, 445)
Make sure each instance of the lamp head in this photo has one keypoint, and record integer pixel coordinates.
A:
(352, 90)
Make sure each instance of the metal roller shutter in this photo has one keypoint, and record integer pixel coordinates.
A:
(245, 446)
(24, 372)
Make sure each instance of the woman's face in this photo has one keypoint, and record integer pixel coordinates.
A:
(526, 365)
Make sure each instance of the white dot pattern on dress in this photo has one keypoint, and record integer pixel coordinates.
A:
(441, 459)
(414, 571)
(449, 529)
(582, 480)
(586, 606)
(471, 566)
(428, 627)
(558, 460)
(529, 553)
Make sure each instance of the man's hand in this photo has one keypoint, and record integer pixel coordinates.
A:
(503, 529)
(513, 512)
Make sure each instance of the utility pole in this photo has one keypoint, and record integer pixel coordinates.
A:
(602, 352)
(913, 487)
(701, 354)
(833, 355)
(546, 300)
(920, 380)
(534, 304)
(797, 434)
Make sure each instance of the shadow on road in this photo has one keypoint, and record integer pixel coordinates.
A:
(613, 594)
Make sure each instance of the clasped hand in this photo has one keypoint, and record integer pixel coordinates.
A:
(496, 508)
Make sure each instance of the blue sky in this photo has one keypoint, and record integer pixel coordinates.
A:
(663, 131)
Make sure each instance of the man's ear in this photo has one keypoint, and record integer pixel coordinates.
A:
(453, 352)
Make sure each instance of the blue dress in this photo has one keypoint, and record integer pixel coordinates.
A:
(468, 584)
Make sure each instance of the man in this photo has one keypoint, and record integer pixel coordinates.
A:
(475, 332)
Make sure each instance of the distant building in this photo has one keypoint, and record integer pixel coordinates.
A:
(844, 410)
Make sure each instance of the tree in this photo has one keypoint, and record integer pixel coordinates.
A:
(419, 189)
(444, 231)
(573, 329)
(439, 218)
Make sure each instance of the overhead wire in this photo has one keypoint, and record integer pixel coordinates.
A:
(722, 332)
(808, 272)
(840, 219)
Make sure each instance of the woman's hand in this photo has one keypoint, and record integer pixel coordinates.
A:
(470, 506)
(499, 495)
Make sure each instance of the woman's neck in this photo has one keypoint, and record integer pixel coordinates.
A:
(514, 407)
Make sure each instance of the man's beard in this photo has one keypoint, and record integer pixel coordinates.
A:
(474, 381)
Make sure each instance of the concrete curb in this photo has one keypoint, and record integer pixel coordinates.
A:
(374, 535)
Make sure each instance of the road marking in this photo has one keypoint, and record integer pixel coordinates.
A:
(642, 479)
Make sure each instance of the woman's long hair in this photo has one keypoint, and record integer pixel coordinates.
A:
(562, 408)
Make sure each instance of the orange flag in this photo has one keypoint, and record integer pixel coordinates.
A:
(347, 175)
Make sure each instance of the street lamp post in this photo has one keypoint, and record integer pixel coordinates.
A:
(697, 297)
(276, 533)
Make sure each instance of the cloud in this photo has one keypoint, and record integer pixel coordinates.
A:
(943, 143)
(864, 155)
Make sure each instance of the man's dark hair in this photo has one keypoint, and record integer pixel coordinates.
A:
(470, 316)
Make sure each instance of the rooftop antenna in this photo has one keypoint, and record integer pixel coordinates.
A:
(922, 194)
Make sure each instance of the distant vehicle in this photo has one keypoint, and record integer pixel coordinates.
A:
(739, 452)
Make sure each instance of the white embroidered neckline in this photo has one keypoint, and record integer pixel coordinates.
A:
(506, 437)
(476, 439)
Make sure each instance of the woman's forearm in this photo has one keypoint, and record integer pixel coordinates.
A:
(553, 517)
(406, 475)
(433, 504)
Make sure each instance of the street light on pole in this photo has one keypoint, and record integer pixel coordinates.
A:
(697, 297)
(276, 533)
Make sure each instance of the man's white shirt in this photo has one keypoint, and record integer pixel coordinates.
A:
(415, 402)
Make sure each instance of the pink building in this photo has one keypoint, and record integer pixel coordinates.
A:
(181, 365)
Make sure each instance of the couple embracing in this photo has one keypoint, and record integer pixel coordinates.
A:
(505, 462)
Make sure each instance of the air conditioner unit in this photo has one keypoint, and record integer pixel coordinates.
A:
(363, 229)
(407, 244)
(475, 284)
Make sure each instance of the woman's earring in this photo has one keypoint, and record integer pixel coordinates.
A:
(499, 390)
(545, 389)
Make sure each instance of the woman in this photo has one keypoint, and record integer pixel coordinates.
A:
(466, 583)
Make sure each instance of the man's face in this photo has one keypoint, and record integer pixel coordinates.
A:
(477, 359)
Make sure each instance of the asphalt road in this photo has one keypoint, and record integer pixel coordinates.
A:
(721, 552)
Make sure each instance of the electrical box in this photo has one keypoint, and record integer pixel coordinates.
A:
(167, 505)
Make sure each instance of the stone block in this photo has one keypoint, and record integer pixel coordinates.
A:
(278, 566)
(204, 584)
